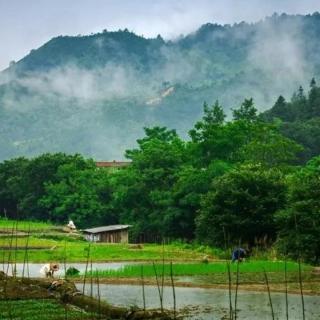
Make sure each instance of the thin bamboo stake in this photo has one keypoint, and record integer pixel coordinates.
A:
(10, 249)
(64, 259)
(65, 276)
(269, 294)
(86, 270)
(3, 259)
(236, 291)
(229, 274)
(9, 306)
(286, 288)
(299, 264)
(26, 251)
(98, 292)
(91, 284)
(14, 271)
(162, 276)
(173, 291)
(230, 291)
(158, 286)
(301, 290)
(143, 291)
(28, 270)
(91, 280)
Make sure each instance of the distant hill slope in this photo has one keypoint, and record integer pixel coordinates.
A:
(93, 94)
(300, 119)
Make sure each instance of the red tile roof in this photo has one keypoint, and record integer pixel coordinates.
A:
(112, 164)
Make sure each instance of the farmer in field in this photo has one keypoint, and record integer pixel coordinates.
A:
(49, 269)
(239, 255)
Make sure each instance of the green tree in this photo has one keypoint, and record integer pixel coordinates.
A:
(299, 223)
(269, 147)
(213, 139)
(241, 206)
(39, 172)
(80, 194)
(187, 192)
(247, 111)
(142, 192)
(280, 108)
(12, 185)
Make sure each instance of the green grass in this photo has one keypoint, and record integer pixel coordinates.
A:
(33, 241)
(7, 225)
(193, 269)
(39, 310)
(76, 251)
(53, 244)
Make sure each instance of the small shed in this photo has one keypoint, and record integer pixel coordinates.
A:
(112, 234)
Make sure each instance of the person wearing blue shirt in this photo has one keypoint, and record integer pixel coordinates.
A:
(238, 254)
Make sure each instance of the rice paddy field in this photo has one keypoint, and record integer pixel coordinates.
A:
(185, 265)
(195, 269)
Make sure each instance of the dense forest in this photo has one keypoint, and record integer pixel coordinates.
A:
(254, 179)
(93, 94)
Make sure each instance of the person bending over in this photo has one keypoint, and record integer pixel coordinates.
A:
(49, 269)
(239, 255)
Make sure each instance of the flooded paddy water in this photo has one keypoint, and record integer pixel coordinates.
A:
(199, 303)
(193, 302)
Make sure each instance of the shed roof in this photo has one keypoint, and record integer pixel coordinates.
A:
(108, 228)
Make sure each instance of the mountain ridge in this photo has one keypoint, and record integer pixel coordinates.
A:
(90, 94)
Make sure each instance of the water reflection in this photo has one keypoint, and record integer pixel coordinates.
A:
(210, 303)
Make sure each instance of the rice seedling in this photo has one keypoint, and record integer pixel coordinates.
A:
(193, 269)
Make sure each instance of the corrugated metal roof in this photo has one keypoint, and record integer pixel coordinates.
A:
(108, 228)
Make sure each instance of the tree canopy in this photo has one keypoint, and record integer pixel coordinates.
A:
(238, 180)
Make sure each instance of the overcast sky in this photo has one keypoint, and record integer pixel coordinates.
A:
(27, 24)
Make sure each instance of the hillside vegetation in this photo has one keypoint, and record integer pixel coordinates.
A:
(93, 94)
(237, 181)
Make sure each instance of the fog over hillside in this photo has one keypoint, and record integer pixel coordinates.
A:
(94, 94)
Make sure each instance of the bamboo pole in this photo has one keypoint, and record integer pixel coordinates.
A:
(236, 291)
(99, 296)
(86, 270)
(143, 291)
(173, 291)
(301, 290)
(158, 286)
(230, 291)
(269, 294)
(26, 251)
(286, 288)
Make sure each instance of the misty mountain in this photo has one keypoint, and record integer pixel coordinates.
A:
(94, 94)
